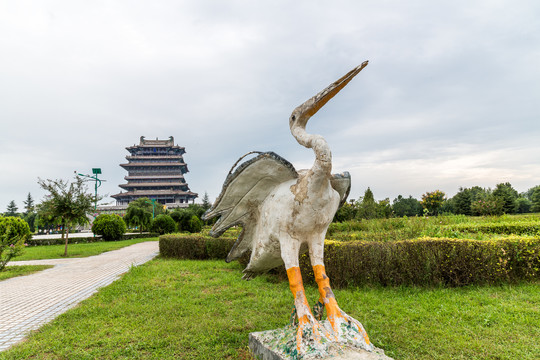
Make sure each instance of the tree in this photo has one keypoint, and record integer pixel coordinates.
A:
(28, 204)
(462, 201)
(432, 201)
(12, 209)
(508, 196)
(139, 213)
(67, 202)
(346, 212)
(406, 206)
(206, 202)
(523, 205)
(367, 207)
(535, 200)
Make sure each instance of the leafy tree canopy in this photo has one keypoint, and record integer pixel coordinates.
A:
(67, 202)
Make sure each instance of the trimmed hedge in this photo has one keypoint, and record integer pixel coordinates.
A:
(423, 261)
(516, 228)
(197, 247)
(430, 261)
(84, 240)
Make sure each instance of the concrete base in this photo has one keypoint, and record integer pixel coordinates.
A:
(263, 348)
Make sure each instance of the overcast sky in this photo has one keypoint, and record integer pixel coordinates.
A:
(451, 96)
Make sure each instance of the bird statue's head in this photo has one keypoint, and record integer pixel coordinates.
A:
(304, 112)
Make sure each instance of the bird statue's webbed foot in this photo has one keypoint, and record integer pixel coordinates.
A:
(345, 328)
(310, 334)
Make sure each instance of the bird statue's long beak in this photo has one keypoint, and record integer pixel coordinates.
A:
(318, 101)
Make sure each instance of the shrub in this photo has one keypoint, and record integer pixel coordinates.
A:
(196, 247)
(195, 224)
(429, 261)
(163, 224)
(109, 226)
(423, 261)
(14, 232)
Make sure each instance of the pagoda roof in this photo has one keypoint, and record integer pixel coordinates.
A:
(147, 193)
(153, 157)
(154, 164)
(144, 184)
(156, 143)
(142, 177)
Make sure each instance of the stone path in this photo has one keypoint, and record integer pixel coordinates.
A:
(28, 302)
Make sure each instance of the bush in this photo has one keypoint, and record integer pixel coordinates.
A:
(424, 261)
(503, 227)
(109, 226)
(163, 224)
(196, 247)
(188, 219)
(14, 232)
(429, 261)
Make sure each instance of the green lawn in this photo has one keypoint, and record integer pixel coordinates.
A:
(75, 250)
(171, 309)
(13, 271)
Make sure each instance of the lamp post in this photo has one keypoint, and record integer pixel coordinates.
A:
(153, 202)
(96, 172)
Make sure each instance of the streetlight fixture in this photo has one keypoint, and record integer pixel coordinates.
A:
(96, 172)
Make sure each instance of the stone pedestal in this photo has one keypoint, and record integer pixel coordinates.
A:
(264, 346)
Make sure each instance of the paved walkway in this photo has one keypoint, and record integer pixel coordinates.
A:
(28, 302)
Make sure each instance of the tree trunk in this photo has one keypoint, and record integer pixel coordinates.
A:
(67, 235)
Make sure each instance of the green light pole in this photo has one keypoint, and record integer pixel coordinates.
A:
(153, 201)
(96, 172)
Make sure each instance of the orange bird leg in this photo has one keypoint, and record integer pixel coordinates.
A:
(334, 313)
(305, 317)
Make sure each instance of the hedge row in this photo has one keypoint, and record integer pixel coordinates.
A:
(509, 228)
(197, 247)
(430, 261)
(84, 240)
(424, 261)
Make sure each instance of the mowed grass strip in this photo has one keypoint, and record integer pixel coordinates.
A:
(189, 309)
(21, 270)
(75, 250)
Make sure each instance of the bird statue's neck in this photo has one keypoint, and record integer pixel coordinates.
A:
(323, 155)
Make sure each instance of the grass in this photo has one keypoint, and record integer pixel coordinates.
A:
(169, 309)
(75, 250)
(13, 271)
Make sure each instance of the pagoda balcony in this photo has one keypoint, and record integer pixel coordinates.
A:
(153, 164)
(155, 177)
(154, 157)
(153, 184)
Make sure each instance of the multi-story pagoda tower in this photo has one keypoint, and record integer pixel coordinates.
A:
(156, 170)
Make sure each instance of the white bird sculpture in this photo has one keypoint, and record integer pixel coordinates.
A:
(281, 211)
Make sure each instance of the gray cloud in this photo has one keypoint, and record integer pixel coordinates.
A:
(449, 98)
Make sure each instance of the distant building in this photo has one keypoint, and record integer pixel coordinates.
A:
(156, 170)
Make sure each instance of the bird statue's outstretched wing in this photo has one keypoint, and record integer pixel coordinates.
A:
(342, 184)
(243, 191)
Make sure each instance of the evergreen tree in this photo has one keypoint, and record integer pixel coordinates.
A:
(367, 208)
(12, 209)
(535, 200)
(462, 201)
(28, 204)
(206, 202)
(508, 196)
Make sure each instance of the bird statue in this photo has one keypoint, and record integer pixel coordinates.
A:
(284, 212)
